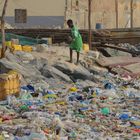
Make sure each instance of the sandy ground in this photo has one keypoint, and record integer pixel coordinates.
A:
(57, 53)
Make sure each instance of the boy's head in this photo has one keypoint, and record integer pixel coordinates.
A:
(70, 23)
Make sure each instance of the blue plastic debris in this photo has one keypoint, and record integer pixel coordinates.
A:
(108, 86)
(124, 117)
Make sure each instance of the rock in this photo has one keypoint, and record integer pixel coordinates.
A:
(41, 48)
(39, 63)
(113, 52)
(93, 54)
(24, 69)
(65, 67)
(97, 70)
(49, 71)
(24, 56)
(81, 73)
(11, 57)
(75, 72)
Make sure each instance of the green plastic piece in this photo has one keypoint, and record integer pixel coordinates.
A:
(105, 111)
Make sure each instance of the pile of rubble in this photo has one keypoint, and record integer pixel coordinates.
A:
(62, 101)
(7, 26)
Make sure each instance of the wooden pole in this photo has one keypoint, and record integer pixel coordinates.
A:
(66, 8)
(71, 6)
(3, 29)
(116, 9)
(89, 23)
(131, 5)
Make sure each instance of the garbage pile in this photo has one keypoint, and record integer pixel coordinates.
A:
(63, 101)
(107, 110)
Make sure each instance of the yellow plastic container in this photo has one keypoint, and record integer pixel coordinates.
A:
(14, 78)
(49, 41)
(9, 84)
(27, 48)
(86, 47)
(73, 89)
(17, 47)
(8, 43)
(4, 82)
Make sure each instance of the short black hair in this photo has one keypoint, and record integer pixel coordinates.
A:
(70, 21)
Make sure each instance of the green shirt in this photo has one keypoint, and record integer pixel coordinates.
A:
(77, 42)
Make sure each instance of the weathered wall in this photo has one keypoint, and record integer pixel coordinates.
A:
(49, 13)
(136, 8)
(41, 13)
(103, 11)
(37, 7)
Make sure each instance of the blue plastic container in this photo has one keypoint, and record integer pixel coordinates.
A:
(99, 26)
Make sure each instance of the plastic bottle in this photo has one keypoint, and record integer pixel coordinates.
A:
(40, 97)
(105, 111)
(9, 99)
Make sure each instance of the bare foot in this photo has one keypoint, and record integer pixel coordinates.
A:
(69, 61)
(77, 63)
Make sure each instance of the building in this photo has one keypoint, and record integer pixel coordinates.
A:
(54, 13)
(110, 13)
(35, 13)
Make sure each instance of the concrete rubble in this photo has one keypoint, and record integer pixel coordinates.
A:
(62, 101)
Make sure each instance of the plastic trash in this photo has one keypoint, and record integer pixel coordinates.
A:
(24, 107)
(136, 130)
(73, 89)
(108, 86)
(31, 88)
(105, 111)
(25, 95)
(124, 117)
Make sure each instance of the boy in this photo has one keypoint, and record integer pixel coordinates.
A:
(76, 41)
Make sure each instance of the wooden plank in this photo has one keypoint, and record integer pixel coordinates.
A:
(133, 68)
(120, 71)
(117, 61)
(123, 72)
(119, 48)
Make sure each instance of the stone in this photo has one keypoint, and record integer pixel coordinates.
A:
(97, 69)
(93, 54)
(75, 72)
(64, 67)
(81, 73)
(24, 56)
(11, 57)
(41, 48)
(39, 63)
(24, 69)
(113, 52)
(49, 71)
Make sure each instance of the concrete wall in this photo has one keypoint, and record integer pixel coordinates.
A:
(136, 13)
(51, 13)
(38, 7)
(103, 11)
(41, 13)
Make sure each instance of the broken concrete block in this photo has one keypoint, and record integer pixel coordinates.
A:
(41, 48)
(49, 71)
(81, 73)
(24, 56)
(113, 52)
(75, 72)
(24, 69)
(39, 63)
(65, 67)
(11, 57)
